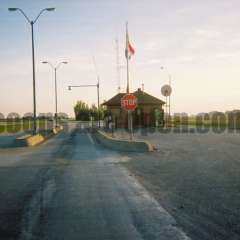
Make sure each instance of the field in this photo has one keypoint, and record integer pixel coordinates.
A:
(13, 127)
(214, 121)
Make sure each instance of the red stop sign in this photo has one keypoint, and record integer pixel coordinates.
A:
(129, 102)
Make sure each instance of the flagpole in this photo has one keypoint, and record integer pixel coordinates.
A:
(127, 57)
(130, 120)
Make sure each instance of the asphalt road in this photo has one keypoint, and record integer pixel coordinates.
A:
(195, 177)
(72, 188)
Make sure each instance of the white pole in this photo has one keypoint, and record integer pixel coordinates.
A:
(166, 118)
(169, 104)
(130, 124)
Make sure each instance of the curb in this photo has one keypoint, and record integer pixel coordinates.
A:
(123, 145)
(29, 140)
(34, 140)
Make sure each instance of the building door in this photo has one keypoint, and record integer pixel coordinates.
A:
(138, 118)
(158, 117)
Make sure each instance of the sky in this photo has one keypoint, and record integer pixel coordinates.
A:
(197, 42)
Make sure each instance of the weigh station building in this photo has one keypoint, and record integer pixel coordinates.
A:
(149, 111)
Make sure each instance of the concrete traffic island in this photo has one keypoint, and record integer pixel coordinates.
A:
(122, 144)
(57, 129)
(29, 140)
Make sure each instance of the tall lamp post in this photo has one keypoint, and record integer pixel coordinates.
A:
(55, 68)
(32, 22)
(98, 98)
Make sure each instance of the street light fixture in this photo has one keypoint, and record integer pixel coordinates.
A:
(50, 9)
(56, 95)
(32, 22)
(12, 9)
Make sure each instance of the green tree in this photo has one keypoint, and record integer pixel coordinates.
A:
(94, 112)
(82, 111)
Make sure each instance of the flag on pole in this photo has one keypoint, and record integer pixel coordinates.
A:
(129, 51)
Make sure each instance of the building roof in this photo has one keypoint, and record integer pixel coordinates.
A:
(143, 99)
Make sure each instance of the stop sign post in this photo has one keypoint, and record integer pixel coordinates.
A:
(129, 104)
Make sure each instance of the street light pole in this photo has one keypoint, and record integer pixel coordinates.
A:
(34, 83)
(33, 60)
(56, 98)
(99, 125)
(55, 68)
(98, 86)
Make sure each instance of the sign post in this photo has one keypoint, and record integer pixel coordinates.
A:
(129, 104)
(166, 92)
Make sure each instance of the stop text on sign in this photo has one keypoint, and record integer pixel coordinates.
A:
(129, 102)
